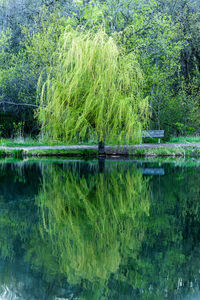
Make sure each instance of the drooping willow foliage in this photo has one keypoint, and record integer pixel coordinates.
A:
(92, 89)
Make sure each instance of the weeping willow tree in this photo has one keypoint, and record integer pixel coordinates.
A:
(93, 89)
(88, 222)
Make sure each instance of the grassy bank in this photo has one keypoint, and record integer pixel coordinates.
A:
(29, 141)
(20, 153)
(183, 147)
(185, 139)
(189, 151)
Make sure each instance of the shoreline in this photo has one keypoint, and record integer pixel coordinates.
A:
(85, 151)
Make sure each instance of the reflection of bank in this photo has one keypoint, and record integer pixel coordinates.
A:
(19, 282)
(196, 296)
(90, 221)
(153, 171)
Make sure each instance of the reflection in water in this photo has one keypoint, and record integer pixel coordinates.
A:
(92, 221)
(76, 230)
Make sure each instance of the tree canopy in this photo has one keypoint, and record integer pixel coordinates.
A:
(93, 88)
(161, 36)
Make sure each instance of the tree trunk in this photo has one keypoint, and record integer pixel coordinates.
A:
(101, 163)
(101, 148)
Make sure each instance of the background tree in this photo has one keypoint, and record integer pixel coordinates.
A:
(164, 36)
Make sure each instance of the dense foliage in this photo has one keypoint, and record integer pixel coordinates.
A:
(163, 36)
(92, 88)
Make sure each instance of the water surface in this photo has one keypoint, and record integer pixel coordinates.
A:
(99, 230)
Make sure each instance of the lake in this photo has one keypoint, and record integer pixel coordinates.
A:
(107, 229)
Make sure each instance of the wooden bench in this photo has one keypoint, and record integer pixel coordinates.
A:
(153, 133)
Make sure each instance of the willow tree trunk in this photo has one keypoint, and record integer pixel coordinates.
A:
(101, 163)
(101, 148)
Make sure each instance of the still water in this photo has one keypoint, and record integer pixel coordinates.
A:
(99, 230)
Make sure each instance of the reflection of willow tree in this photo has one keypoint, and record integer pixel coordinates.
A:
(97, 224)
(92, 220)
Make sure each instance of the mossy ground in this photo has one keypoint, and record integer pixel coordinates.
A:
(63, 152)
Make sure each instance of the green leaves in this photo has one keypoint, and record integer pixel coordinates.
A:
(90, 222)
(93, 87)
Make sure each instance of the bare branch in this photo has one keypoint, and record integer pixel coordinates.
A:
(20, 104)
